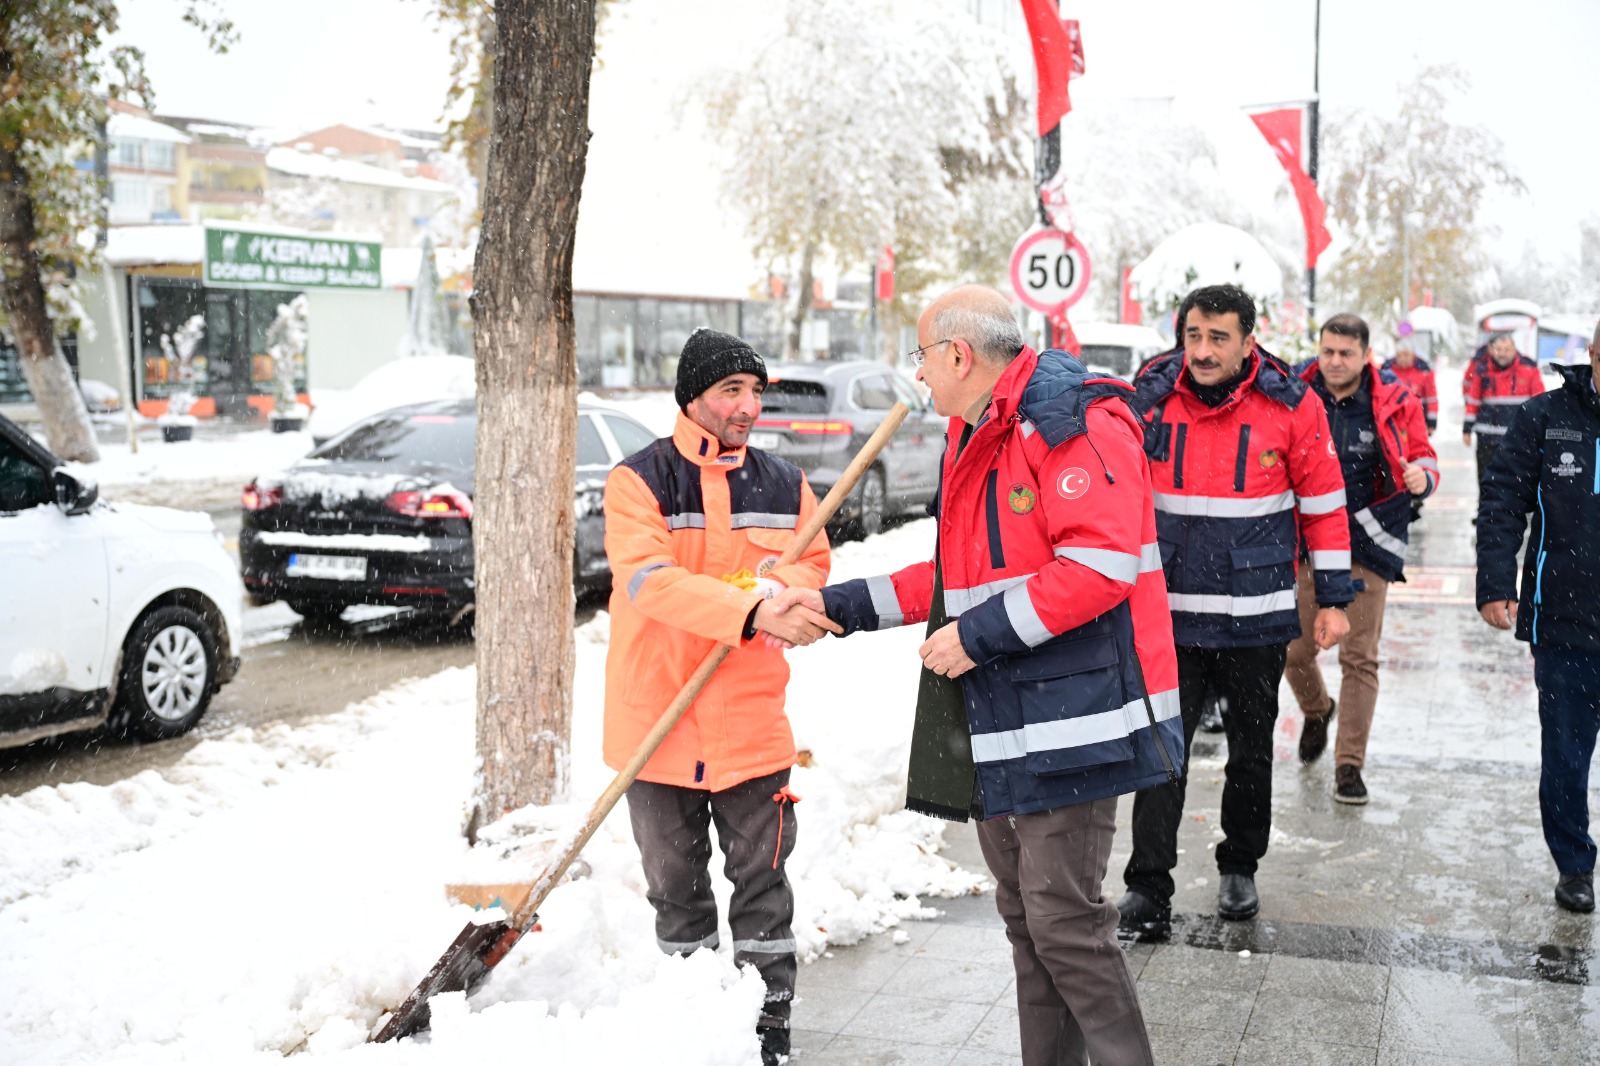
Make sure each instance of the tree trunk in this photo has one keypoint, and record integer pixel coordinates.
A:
(483, 105)
(49, 376)
(802, 301)
(527, 402)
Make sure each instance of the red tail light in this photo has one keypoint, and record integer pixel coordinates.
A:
(434, 503)
(258, 497)
(809, 428)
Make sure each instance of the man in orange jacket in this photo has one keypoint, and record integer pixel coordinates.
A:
(694, 527)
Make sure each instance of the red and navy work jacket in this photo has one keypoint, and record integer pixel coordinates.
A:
(1379, 531)
(1493, 393)
(1237, 486)
(1418, 377)
(1047, 544)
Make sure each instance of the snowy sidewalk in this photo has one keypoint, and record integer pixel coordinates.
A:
(1417, 930)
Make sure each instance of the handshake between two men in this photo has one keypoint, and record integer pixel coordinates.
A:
(797, 617)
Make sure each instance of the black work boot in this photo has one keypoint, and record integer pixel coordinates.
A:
(1211, 714)
(1314, 734)
(1143, 918)
(1236, 897)
(1575, 892)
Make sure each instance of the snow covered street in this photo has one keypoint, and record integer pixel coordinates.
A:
(285, 887)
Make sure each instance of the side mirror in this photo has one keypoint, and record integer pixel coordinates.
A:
(74, 496)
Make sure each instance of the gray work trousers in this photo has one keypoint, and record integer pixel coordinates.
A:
(672, 827)
(1075, 993)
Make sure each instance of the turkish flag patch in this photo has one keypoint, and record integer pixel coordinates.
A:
(1073, 483)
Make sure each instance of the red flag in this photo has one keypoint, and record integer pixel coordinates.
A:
(885, 272)
(1284, 129)
(1132, 310)
(1057, 59)
(1063, 335)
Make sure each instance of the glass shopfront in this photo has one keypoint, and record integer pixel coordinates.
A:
(13, 386)
(231, 363)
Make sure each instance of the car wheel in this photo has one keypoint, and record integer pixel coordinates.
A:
(874, 503)
(169, 671)
(321, 615)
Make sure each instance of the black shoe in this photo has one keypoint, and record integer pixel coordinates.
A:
(1575, 892)
(1236, 897)
(774, 1044)
(1142, 917)
(1314, 734)
(1211, 715)
(1347, 785)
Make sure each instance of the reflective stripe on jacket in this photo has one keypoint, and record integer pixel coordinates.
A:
(679, 516)
(1493, 393)
(1047, 544)
(1379, 532)
(1418, 377)
(1237, 486)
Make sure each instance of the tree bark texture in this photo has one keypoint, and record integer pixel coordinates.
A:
(527, 401)
(45, 368)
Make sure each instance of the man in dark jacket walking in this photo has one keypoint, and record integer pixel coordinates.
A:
(1382, 440)
(1243, 467)
(1049, 685)
(1548, 466)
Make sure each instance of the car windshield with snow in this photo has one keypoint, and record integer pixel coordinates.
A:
(115, 614)
(382, 513)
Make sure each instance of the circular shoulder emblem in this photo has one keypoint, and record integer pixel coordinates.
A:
(1269, 458)
(1022, 499)
(1074, 483)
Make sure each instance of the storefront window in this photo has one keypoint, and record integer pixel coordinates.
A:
(616, 343)
(230, 362)
(586, 321)
(164, 307)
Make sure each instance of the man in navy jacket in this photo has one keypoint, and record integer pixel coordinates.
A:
(1548, 467)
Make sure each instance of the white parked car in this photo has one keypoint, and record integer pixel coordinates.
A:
(113, 613)
(1116, 348)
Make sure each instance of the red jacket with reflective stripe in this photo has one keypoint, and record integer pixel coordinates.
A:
(1418, 377)
(1493, 393)
(1237, 486)
(1047, 545)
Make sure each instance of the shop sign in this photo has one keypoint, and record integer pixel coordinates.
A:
(242, 257)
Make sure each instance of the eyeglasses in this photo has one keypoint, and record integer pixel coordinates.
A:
(917, 357)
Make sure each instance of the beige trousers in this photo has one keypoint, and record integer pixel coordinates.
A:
(1358, 661)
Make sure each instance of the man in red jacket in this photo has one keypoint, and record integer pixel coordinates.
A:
(1378, 429)
(1417, 375)
(1243, 469)
(1498, 381)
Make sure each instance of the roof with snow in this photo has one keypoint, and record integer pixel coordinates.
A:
(138, 128)
(1206, 253)
(316, 165)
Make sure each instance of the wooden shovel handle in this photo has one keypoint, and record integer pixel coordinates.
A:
(546, 882)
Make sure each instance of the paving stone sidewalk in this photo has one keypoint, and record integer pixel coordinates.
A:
(1417, 930)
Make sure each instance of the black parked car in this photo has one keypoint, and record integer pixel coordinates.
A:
(382, 513)
(818, 415)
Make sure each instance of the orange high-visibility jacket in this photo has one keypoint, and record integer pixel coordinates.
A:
(680, 516)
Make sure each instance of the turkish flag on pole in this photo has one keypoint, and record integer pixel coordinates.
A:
(1284, 128)
(1057, 59)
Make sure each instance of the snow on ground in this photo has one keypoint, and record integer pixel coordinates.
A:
(276, 891)
(238, 457)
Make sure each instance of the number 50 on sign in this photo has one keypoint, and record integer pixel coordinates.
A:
(1049, 269)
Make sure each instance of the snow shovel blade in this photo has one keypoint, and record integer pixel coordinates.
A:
(462, 968)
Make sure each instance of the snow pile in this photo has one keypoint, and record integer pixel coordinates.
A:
(417, 379)
(656, 411)
(1206, 253)
(278, 891)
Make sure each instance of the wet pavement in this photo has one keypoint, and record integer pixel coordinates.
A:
(1419, 929)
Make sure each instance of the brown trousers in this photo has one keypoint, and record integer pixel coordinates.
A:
(1075, 993)
(1358, 662)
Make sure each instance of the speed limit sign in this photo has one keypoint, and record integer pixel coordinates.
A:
(1049, 270)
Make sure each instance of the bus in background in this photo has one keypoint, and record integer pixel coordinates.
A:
(1520, 318)
(1433, 333)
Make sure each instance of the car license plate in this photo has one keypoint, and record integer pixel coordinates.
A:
(765, 441)
(328, 567)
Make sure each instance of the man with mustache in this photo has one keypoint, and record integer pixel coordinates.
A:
(1243, 467)
(694, 527)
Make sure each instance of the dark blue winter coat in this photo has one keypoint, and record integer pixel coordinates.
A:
(1548, 466)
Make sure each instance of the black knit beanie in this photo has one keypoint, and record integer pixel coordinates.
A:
(708, 357)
